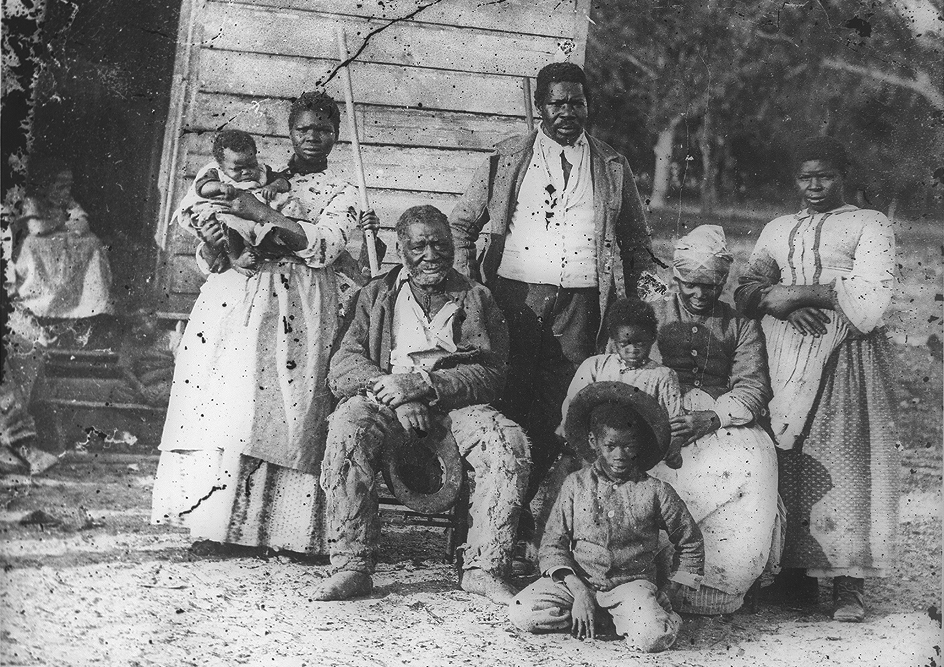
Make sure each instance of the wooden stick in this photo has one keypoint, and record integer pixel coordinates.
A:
(528, 108)
(345, 72)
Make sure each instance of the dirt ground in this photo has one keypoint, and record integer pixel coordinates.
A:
(105, 588)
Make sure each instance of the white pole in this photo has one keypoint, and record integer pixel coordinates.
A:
(356, 150)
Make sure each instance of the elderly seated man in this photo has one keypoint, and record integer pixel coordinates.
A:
(421, 310)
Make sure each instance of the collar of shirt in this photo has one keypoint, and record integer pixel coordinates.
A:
(807, 213)
(602, 473)
(552, 150)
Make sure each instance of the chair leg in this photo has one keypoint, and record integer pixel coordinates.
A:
(457, 533)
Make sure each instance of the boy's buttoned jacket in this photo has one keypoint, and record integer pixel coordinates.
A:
(607, 531)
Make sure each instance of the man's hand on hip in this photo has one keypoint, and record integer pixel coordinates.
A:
(397, 389)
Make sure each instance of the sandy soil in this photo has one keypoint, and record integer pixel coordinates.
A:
(103, 587)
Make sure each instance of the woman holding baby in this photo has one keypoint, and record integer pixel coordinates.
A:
(244, 437)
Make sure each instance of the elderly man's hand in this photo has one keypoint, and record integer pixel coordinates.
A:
(399, 388)
(413, 415)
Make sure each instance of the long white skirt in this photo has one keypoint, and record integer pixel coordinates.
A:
(235, 499)
(246, 425)
(728, 480)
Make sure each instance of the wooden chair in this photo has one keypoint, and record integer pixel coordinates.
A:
(455, 521)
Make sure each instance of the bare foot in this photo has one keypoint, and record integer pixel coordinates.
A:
(343, 585)
(490, 585)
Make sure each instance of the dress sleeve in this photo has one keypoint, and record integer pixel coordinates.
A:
(586, 374)
(863, 296)
(749, 380)
(670, 393)
(688, 563)
(328, 234)
(760, 274)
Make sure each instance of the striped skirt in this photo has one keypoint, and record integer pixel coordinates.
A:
(840, 483)
(236, 499)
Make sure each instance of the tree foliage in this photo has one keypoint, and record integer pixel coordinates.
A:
(737, 83)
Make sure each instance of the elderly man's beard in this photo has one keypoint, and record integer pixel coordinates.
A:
(428, 274)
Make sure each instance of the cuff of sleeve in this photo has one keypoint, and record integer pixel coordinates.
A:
(687, 579)
(559, 572)
(429, 380)
(732, 412)
(312, 237)
(261, 230)
(202, 263)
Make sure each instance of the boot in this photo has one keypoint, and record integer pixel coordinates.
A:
(848, 599)
(791, 586)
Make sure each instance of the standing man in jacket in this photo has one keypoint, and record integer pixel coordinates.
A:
(567, 237)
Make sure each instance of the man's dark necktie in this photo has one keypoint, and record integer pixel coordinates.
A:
(566, 166)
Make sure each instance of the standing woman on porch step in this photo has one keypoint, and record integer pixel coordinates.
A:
(245, 432)
(821, 280)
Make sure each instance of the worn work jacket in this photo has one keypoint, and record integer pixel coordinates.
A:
(624, 247)
(473, 375)
(607, 531)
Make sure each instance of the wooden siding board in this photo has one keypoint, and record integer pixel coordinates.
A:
(393, 85)
(554, 18)
(312, 35)
(390, 167)
(376, 124)
(433, 94)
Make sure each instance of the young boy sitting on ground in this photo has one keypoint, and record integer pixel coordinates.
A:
(236, 168)
(600, 545)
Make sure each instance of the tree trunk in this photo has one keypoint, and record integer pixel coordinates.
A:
(709, 176)
(893, 208)
(663, 172)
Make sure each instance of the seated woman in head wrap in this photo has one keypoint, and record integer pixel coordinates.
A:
(821, 280)
(728, 476)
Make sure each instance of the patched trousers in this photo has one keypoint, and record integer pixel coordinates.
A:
(642, 615)
(493, 446)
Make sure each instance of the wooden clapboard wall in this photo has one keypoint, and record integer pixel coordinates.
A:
(437, 84)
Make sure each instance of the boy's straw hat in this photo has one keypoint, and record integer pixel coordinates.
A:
(638, 404)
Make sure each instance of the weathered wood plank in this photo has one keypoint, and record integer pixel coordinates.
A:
(312, 35)
(376, 124)
(394, 85)
(388, 167)
(538, 17)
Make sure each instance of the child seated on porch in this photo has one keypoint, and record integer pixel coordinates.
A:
(632, 327)
(600, 545)
(236, 168)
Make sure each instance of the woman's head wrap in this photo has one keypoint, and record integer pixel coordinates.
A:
(702, 256)
(826, 149)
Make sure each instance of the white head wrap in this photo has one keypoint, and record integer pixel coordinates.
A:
(702, 256)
